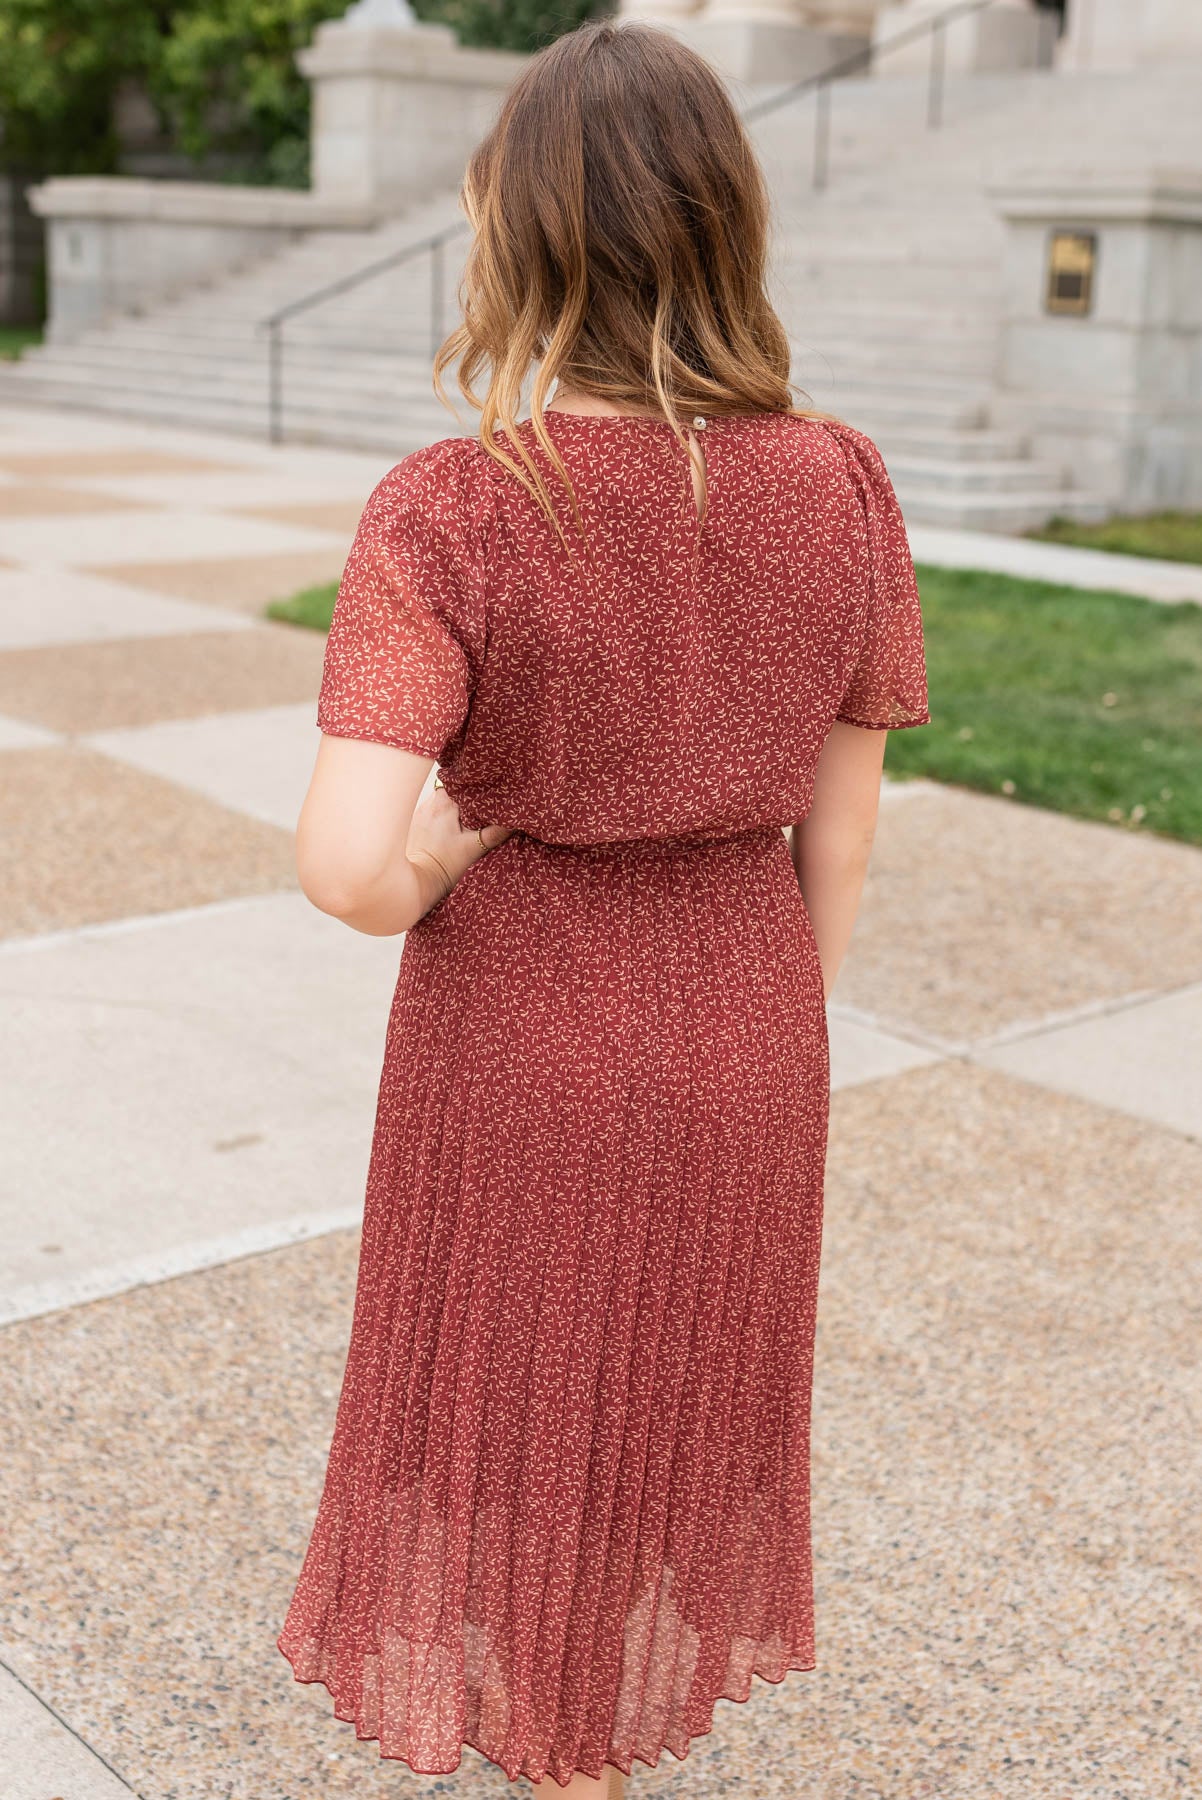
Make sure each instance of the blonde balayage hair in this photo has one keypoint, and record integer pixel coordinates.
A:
(620, 221)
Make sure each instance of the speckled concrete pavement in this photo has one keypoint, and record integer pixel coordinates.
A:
(1006, 1465)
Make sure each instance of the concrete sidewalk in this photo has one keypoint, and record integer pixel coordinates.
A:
(1065, 565)
(1005, 1475)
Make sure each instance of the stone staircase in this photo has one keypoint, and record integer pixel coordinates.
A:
(888, 283)
(356, 371)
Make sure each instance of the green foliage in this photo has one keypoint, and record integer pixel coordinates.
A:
(221, 74)
(1084, 703)
(226, 79)
(524, 25)
(1173, 536)
(58, 75)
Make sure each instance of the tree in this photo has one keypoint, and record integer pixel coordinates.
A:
(227, 81)
(221, 74)
(59, 75)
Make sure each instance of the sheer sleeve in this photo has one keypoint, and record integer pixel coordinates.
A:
(407, 636)
(888, 685)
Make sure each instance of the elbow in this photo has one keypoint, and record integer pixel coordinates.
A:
(334, 885)
(331, 894)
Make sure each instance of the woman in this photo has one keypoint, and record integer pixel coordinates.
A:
(640, 632)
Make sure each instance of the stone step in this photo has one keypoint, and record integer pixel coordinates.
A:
(889, 407)
(1008, 513)
(926, 400)
(981, 444)
(343, 381)
(815, 356)
(942, 367)
(961, 476)
(395, 430)
(235, 360)
(222, 340)
(831, 285)
(893, 314)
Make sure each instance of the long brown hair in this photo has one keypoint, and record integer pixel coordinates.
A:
(620, 222)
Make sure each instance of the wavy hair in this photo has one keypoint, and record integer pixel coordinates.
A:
(620, 220)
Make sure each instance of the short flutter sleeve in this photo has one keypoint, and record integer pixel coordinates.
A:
(888, 685)
(407, 637)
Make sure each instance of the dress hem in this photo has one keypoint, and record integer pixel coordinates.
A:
(372, 1737)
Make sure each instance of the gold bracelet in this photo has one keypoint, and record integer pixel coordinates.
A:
(438, 864)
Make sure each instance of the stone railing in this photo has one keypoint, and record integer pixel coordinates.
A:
(116, 244)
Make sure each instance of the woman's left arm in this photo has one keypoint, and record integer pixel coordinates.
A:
(366, 852)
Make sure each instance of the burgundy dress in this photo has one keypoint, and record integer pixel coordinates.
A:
(567, 1502)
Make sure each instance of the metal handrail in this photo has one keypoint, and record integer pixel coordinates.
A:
(819, 85)
(862, 59)
(274, 323)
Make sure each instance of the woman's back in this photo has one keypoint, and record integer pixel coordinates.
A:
(682, 678)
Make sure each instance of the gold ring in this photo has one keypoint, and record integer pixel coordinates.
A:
(437, 782)
(480, 835)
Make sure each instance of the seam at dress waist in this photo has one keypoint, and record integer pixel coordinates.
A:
(666, 845)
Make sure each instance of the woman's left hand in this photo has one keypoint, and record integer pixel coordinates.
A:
(440, 846)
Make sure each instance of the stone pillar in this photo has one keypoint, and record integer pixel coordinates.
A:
(1118, 34)
(1010, 34)
(397, 106)
(1112, 392)
(755, 41)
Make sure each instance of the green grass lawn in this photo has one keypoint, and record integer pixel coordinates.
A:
(1084, 703)
(1169, 536)
(14, 339)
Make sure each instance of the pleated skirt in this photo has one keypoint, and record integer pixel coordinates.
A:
(566, 1507)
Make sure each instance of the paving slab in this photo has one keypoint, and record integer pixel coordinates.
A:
(15, 734)
(25, 500)
(62, 606)
(150, 535)
(88, 838)
(981, 914)
(1063, 564)
(339, 517)
(270, 1018)
(135, 681)
(1144, 1059)
(42, 431)
(1006, 1485)
(247, 489)
(257, 762)
(242, 583)
(42, 1757)
(859, 1052)
(113, 460)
